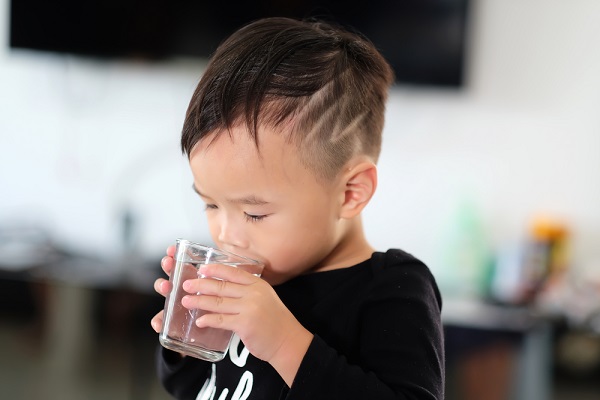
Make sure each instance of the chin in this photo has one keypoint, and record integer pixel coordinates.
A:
(275, 279)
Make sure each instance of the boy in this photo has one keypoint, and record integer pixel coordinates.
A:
(282, 134)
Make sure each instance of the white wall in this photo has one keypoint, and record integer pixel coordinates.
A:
(81, 138)
(522, 140)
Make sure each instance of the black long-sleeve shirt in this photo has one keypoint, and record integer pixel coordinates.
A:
(377, 335)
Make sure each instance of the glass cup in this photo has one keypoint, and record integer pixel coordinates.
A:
(180, 332)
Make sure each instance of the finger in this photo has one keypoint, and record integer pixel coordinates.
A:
(228, 273)
(162, 286)
(212, 304)
(212, 287)
(157, 322)
(167, 263)
(171, 251)
(216, 320)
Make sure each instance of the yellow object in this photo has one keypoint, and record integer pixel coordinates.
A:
(555, 235)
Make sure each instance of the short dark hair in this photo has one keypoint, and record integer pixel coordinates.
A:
(326, 85)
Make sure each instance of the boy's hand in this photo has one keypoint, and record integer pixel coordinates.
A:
(243, 303)
(162, 286)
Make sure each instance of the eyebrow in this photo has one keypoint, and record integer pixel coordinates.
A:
(248, 200)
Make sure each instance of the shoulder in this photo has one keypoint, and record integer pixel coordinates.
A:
(398, 256)
(399, 262)
(398, 273)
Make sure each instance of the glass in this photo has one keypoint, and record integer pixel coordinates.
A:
(180, 332)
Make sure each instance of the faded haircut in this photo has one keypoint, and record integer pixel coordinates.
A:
(319, 84)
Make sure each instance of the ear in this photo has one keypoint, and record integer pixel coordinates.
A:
(360, 184)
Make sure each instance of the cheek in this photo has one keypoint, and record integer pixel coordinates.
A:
(213, 226)
(295, 244)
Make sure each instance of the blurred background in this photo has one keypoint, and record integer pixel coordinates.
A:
(490, 173)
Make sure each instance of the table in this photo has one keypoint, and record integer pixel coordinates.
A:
(533, 375)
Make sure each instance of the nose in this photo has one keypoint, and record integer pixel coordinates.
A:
(231, 234)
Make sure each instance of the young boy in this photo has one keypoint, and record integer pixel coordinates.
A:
(282, 134)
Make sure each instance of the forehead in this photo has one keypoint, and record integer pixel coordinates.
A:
(237, 145)
(235, 158)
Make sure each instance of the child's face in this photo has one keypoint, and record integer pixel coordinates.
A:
(267, 206)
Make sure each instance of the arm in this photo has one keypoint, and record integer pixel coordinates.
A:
(400, 350)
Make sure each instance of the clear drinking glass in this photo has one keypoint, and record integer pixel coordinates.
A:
(180, 332)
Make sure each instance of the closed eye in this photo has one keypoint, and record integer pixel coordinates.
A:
(211, 207)
(254, 218)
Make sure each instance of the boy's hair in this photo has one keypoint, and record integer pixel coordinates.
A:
(325, 86)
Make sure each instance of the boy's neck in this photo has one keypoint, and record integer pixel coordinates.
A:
(352, 249)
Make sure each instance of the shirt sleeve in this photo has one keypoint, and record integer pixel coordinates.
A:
(182, 377)
(401, 353)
